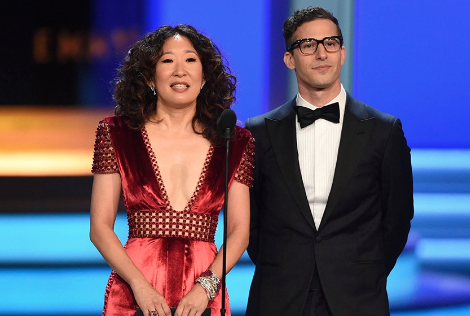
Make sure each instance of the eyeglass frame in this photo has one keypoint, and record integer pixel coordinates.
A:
(322, 41)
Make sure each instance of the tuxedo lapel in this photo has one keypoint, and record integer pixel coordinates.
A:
(282, 137)
(357, 128)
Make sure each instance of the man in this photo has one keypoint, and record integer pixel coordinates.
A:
(333, 195)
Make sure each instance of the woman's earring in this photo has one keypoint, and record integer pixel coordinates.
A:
(152, 88)
(202, 85)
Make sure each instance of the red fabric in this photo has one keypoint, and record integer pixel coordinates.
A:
(170, 264)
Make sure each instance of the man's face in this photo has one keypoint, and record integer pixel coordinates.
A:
(321, 70)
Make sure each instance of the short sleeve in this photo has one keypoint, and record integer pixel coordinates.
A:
(245, 168)
(104, 159)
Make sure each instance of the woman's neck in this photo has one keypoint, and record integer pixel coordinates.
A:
(175, 120)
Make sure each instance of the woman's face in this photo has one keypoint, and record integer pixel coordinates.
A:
(178, 73)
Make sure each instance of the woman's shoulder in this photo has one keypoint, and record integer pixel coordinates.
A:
(243, 138)
(115, 121)
(242, 133)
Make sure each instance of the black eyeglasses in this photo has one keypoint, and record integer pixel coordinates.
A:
(309, 46)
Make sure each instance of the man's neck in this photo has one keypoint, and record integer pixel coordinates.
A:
(320, 97)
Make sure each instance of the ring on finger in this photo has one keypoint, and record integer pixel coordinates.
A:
(153, 313)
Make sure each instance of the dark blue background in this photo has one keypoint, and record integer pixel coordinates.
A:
(411, 60)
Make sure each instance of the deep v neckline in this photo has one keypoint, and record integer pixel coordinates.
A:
(161, 184)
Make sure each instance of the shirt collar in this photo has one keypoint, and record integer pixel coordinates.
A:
(340, 98)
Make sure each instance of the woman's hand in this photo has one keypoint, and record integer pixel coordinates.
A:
(150, 300)
(194, 303)
(104, 205)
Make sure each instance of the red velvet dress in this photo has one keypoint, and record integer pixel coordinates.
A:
(171, 248)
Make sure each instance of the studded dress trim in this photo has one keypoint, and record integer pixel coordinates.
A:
(202, 176)
(245, 169)
(190, 225)
(168, 222)
(104, 159)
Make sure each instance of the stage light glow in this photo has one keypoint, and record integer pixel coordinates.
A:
(47, 141)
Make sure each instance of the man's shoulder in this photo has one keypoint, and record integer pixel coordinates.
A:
(364, 111)
(275, 114)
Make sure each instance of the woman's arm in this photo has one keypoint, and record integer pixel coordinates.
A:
(104, 204)
(238, 229)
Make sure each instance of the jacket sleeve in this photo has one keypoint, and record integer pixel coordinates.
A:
(397, 194)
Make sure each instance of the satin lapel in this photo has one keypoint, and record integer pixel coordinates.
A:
(354, 136)
(284, 144)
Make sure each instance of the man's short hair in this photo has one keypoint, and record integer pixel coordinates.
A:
(306, 15)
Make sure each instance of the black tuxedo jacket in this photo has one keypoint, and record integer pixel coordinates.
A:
(364, 227)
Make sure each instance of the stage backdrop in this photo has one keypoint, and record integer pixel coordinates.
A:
(410, 60)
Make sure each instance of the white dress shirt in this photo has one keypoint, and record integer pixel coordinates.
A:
(317, 145)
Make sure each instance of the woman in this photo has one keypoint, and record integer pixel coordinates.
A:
(165, 154)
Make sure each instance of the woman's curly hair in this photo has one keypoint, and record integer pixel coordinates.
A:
(135, 99)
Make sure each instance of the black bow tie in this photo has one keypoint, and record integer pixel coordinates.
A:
(307, 116)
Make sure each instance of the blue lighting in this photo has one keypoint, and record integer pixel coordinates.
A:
(409, 61)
